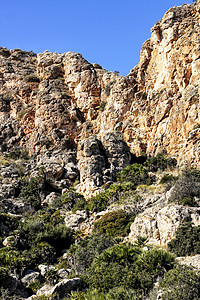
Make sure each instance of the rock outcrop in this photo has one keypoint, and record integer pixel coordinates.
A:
(159, 225)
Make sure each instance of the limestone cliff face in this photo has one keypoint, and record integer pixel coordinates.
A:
(54, 102)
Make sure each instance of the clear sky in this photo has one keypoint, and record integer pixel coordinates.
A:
(107, 32)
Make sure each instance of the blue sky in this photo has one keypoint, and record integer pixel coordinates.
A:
(108, 32)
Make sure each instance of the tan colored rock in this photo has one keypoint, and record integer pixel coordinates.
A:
(160, 225)
(190, 261)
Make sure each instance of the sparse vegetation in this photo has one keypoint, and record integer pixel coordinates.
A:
(22, 52)
(17, 153)
(21, 113)
(109, 86)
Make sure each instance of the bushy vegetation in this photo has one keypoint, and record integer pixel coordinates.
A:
(129, 267)
(181, 283)
(8, 224)
(82, 255)
(46, 227)
(33, 189)
(115, 223)
(40, 239)
(187, 240)
(71, 200)
(168, 178)
(136, 174)
(11, 259)
(159, 162)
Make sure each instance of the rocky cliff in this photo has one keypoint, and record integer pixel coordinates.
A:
(53, 102)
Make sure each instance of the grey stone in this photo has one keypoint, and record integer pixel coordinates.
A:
(30, 277)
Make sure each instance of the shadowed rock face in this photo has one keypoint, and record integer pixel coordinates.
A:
(60, 102)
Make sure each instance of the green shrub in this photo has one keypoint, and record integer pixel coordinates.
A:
(181, 283)
(159, 162)
(186, 187)
(40, 253)
(9, 224)
(31, 190)
(37, 230)
(127, 266)
(153, 263)
(82, 255)
(12, 259)
(34, 189)
(189, 201)
(81, 204)
(187, 240)
(115, 223)
(136, 174)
